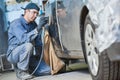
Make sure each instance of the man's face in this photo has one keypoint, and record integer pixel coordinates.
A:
(31, 14)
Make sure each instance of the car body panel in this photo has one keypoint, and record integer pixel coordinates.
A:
(106, 15)
(107, 12)
(69, 25)
(68, 21)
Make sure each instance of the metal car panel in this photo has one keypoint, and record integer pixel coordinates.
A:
(69, 25)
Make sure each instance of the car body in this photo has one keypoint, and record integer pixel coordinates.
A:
(67, 26)
(87, 29)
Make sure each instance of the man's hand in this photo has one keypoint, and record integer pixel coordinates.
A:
(42, 22)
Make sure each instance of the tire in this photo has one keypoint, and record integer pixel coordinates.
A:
(100, 67)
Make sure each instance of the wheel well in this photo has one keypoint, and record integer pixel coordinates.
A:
(83, 15)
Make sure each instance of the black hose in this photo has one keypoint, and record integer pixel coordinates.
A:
(42, 38)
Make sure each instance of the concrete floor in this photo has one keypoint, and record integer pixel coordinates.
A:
(9, 75)
(81, 74)
(75, 75)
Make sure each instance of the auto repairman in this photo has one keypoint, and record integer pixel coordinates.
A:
(23, 37)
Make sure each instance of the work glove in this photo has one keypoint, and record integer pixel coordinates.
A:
(42, 22)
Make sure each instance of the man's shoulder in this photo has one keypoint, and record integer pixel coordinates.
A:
(18, 20)
(15, 23)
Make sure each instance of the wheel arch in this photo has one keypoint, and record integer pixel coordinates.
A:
(84, 13)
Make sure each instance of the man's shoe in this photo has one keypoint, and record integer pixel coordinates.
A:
(23, 75)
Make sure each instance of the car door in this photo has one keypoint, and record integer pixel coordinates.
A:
(68, 15)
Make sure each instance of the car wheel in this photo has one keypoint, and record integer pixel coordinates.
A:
(100, 67)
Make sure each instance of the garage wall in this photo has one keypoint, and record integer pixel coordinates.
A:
(3, 34)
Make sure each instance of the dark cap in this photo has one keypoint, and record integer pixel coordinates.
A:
(31, 6)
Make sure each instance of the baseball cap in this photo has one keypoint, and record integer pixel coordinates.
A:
(31, 6)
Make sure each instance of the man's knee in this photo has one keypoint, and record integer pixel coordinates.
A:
(28, 47)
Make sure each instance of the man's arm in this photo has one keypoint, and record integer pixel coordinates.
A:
(22, 35)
